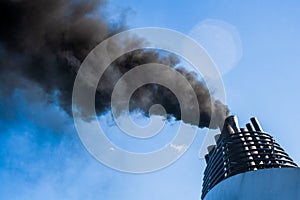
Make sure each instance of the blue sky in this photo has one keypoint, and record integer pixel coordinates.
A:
(42, 157)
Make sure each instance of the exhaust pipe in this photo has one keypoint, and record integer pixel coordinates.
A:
(250, 127)
(233, 122)
(256, 124)
(231, 126)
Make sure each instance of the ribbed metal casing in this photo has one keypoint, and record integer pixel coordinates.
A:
(241, 152)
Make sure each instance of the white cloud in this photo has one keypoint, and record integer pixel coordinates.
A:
(179, 148)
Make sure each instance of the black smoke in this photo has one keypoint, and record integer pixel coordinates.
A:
(45, 41)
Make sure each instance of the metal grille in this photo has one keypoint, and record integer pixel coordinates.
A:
(241, 152)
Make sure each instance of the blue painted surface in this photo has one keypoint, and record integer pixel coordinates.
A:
(276, 183)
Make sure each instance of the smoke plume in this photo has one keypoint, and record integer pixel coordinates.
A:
(46, 41)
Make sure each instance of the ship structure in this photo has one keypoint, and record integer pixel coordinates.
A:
(239, 151)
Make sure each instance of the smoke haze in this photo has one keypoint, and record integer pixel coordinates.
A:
(46, 41)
